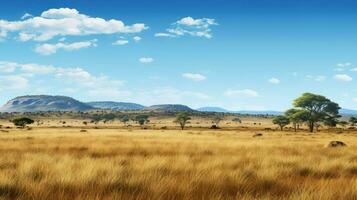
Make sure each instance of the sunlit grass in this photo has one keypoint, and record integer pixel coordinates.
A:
(170, 164)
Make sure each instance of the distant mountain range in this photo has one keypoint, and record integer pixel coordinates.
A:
(37, 103)
(169, 108)
(116, 105)
(265, 112)
(250, 112)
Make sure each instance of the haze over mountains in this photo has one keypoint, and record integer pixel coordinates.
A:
(37, 103)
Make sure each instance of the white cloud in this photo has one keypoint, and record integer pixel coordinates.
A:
(318, 78)
(274, 81)
(13, 82)
(146, 60)
(65, 22)
(189, 26)
(26, 15)
(339, 69)
(120, 42)
(354, 99)
(194, 77)
(343, 77)
(354, 69)
(164, 35)
(75, 77)
(347, 64)
(241, 93)
(7, 67)
(48, 49)
(137, 38)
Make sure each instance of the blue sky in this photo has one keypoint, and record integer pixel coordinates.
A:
(237, 54)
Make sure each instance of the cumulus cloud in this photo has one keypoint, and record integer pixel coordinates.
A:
(191, 27)
(7, 67)
(241, 93)
(65, 22)
(48, 49)
(346, 64)
(164, 35)
(343, 77)
(274, 81)
(137, 38)
(76, 77)
(26, 15)
(194, 77)
(318, 78)
(13, 82)
(120, 42)
(146, 60)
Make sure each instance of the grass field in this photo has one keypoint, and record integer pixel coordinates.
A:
(67, 163)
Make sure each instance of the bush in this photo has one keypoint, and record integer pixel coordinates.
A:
(22, 121)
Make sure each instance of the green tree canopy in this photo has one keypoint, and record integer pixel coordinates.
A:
(182, 118)
(317, 108)
(353, 121)
(22, 121)
(281, 120)
(142, 119)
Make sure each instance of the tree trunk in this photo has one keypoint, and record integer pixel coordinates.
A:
(295, 125)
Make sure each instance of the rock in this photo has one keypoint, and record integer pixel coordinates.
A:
(83, 131)
(336, 144)
(258, 135)
(214, 127)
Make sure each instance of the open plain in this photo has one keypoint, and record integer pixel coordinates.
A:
(130, 162)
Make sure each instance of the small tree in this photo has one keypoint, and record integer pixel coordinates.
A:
(331, 122)
(296, 116)
(109, 117)
(142, 119)
(124, 119)
(237, 120)
(22, 121)
(217, 119)
(182, 118)
(282, 121)
(353, 121)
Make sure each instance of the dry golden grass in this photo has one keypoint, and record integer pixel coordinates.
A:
(65, 163)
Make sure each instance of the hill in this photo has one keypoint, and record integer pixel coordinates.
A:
(344, 111)
(36, 103)
(116, 105)
(169, 108)
(213, 109)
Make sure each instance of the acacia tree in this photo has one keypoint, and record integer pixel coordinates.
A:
(318, 108)
(217, 119)
(182, 118)
(296, 116)
(353, 121)
(22, 121)
(142, 119)
(124, 119)
(281, 120)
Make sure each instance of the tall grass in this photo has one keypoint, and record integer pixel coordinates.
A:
(146, 164)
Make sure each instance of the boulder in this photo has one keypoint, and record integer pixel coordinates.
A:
(258, 135)
(336, 144)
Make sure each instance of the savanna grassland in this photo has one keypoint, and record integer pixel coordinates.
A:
(197, 163)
